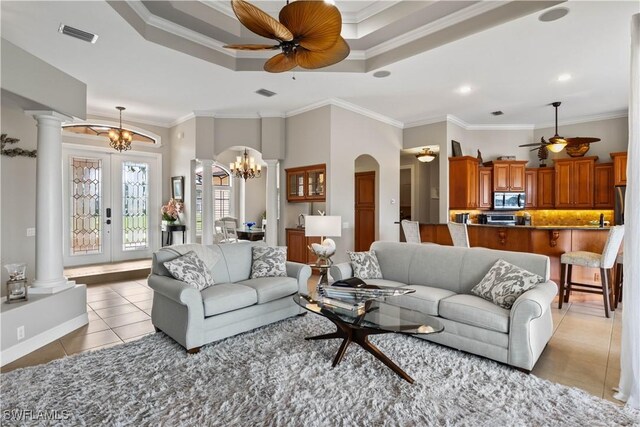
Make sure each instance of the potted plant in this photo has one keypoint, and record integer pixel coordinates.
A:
(170, 212)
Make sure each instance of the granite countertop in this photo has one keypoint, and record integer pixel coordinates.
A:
(545, 227)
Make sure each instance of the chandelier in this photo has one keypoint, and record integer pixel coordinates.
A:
(245, 167)
(120, 139)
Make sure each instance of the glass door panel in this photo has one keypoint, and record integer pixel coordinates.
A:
(315, 184)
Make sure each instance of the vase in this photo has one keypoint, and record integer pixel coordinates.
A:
(166, 223)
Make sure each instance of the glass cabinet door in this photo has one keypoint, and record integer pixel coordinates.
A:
(316, 184)
(296, 186)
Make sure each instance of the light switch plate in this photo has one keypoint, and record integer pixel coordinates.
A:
(31, 231)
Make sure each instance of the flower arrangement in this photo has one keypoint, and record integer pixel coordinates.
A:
(171, 210)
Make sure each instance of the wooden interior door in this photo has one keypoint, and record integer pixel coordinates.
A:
(365, 210)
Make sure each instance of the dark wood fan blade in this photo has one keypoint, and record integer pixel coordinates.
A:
(251, 46)
(536, 149)
(280, 63)
(535, 144)
(315, 24)
(309, 59)
(581, 140)
(260, 22)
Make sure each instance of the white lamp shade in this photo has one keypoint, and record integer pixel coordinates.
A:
(323, 225)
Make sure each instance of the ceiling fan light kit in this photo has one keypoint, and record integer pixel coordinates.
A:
(308, 34)
(426, 155)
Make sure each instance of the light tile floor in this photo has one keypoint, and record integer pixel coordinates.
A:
(584, 351)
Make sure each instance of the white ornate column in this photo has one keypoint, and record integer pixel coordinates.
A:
(208, 229)
(242, 194)
(49, 266)
(271, 236)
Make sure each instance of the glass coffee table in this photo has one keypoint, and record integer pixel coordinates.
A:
(377, 317)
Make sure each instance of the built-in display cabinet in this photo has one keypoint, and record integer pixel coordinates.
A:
(307, 184)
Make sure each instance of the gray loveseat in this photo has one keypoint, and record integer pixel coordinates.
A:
(233, 305)
(443, 277)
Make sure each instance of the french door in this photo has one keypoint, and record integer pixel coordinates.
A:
(110, 211)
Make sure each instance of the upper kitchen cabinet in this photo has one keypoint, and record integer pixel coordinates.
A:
(463, 182)
(508, 175)
(485, 187)
(575, 179)
(604, 192)
(546, 188)
(531, 188)
(619, 168)
(307, 184)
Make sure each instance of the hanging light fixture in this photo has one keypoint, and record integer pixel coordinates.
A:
(426, 155)
(120, 139)
(245, 167)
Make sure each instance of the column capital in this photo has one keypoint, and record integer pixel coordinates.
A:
(271, 161)
(49, 114)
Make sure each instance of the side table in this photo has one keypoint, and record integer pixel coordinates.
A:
(169, 229)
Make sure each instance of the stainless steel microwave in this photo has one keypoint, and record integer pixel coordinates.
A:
(508, 201)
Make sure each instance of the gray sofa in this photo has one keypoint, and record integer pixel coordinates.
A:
(233, 305)
(443, 277)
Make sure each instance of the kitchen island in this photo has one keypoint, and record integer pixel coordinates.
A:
(551, 240)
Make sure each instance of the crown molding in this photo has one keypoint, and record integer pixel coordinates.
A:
(237, 116)
(347, 106)
(114, 115)
(444, 22)
(586, 119)
(425, 122)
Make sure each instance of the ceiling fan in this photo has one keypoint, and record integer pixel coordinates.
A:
(308, 34)
(556, 143)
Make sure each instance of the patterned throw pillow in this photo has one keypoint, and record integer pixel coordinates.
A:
(191, 270)
(268, 261)
(365, 265)
(504, 283)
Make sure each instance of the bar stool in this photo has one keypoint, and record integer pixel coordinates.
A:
(602, 261)
(459, 234)
(617, 282)
(411, 231)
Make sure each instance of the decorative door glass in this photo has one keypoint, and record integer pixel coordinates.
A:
(315, 182)
(86, 198)
(296, 185)
(135, 201)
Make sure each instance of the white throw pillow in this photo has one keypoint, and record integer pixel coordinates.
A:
(504, 283)
(190, 269)
(365, 265)
(268, 261)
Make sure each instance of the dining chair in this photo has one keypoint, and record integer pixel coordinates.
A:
(603, 261)
(459, 234)
(411, 231)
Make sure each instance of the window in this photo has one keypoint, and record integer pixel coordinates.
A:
(222, 195)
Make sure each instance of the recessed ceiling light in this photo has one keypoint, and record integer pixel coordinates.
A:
(381, 74)
(464, 89)
(553, 14)
(78, 34)
(564, 77)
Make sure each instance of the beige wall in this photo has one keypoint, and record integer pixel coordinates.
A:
(353, 135)
(182, 154)
(614, 135)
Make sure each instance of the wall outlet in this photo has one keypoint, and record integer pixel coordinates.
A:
(345, 225)
(31, 232)
(20, 332)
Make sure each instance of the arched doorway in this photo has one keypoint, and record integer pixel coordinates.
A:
(367, 172)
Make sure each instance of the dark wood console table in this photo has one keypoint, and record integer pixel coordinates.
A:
(170, 229)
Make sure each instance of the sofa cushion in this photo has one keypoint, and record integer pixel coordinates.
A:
(268, 261)
(191, 270)
(475, 311)
(365, 265)
(425, 299)
(226, 297)
(383, 282)
(272, 288)
(504, 283)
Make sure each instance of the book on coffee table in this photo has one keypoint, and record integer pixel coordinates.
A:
(354, 289)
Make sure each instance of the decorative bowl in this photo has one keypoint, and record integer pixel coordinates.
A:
(577, 150)
(250, 225)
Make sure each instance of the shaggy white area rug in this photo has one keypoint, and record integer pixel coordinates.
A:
(272, 376)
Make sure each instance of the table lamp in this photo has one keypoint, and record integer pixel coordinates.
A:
(323, 226)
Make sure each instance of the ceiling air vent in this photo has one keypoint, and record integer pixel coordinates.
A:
(265, 92)
(78, 34)
(497, 113)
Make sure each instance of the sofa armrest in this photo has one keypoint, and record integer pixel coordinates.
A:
(175, 290)
(300, 272)
(531, 325)
(341, 271)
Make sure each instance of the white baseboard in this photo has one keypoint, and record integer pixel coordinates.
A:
(42, 339)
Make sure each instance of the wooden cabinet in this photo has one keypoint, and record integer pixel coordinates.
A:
(531, 188)
(619, 168)
(604, 192)
(307, 184)
(575, 182)
(297, 242)
(508, 175)
(546, 188)
(463, 182)
(485, 187)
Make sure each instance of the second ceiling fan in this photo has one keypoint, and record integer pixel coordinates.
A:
(308, 33)
(578, 145)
